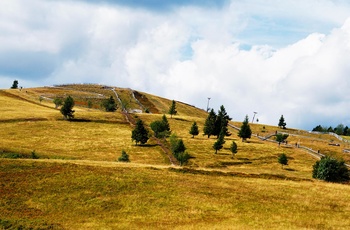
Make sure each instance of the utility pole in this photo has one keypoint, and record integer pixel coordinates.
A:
(208, 104)
(254, 116)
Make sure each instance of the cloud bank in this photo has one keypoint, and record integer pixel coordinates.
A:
(271, 57)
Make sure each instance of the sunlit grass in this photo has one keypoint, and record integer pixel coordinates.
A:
(86, 197)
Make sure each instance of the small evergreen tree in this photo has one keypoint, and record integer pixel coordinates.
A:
(67, 108)
(330, 169)
(140, 133)
(109, 104)
(219, 144)
(245, 131)
(161, 128)
(165, 124)
(282, 123)
(233, 148)
(58, 102)
(194, 131)
(178, 149)
(14, 85)
(221, 122)
(172, 109)
(183, 157)
(282, 159)
(124, 157)
(209, 125)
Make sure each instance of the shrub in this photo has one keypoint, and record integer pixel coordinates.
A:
(330, 169)
(34, 155)
(124, 157)
(283, 160)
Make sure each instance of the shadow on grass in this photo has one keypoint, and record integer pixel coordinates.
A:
(147, 145)
(289, 169)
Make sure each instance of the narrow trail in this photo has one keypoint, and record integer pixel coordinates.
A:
(310, 151)
(130, 119)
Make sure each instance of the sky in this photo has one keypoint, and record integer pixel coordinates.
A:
(273, 57)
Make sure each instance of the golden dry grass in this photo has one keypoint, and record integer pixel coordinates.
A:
(87, 189)
(61, 195)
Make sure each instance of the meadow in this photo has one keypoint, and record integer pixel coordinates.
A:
(77, 182)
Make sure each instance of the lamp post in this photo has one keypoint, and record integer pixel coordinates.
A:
(208, 104)
(254, 116)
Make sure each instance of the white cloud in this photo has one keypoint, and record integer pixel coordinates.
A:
(274, 57)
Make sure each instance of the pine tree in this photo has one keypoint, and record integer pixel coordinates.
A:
(245, 131)
(233, 148)
(209, 124)
(172, 109)
(166, 124)
(219, 144)
(109, 104)
(67, 107)
(140, 133)
(221, 122)
(124, 157)
(194, 131)
(14, 85)
(282, 123)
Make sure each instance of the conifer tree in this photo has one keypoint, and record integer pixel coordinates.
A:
(221, 122)
(219, 144)
(209, 124)
(67, 107)
(233, 148)
(14, 85)
(245, 131)
(282, 123)
(109, 104)
(194, 131)
(140, 133)
(172, 109)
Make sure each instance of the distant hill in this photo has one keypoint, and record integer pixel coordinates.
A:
(62, 174)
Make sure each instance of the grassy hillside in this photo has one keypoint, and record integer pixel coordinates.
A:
(77, 183)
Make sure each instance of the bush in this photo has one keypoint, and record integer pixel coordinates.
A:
(283, 160)
(330, 169)
(124, 157)
(34, 155)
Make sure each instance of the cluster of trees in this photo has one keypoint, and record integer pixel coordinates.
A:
(340, 129)
(161, 128)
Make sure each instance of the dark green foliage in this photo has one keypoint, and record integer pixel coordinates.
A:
(140, 133)
(172, 109)
(233, 148)
(161, 128)
(282, 123)
(330, 169)
(41, 99)
(319, 128)
(67, 107)
(14, 85)
(34, 155)
(221, 122)
(58, 102)
(109, 104)
(280, 137)
(219, 144)
(183, 157)
(194, 131)
(178, 149)
(124, 157)
(282, 159)
(245, 131)
(209, 125)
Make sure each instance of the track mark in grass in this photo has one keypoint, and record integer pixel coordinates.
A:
(236, 174)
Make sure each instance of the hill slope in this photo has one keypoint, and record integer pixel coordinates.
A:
(85, 188)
